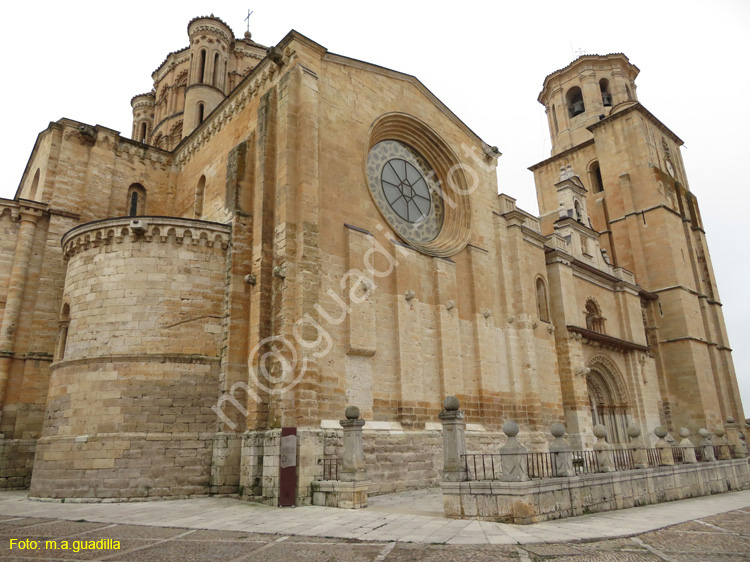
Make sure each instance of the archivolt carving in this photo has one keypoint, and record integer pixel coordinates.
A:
(610, 376)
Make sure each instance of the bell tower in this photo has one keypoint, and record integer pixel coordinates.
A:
(210, 43)
(584, 92)
(634, 189)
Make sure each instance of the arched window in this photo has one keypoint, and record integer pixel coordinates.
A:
(142, 135)
(34, 185)
(62, 337)
(606, 95)
(595, 177)
(217, 71)
(542, 306)
(199, 193)
(136, 203)
(574, 98)
(594, 319)
(202, 67)
(201, 110)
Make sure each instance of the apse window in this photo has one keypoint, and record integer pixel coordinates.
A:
(136, 200)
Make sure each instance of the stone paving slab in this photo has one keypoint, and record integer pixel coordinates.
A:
(227, 514)
(138, 544)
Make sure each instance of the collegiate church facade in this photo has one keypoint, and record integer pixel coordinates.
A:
(289, 232)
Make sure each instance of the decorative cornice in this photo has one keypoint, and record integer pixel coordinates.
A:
(137, 358)
(638, 107)
(564, 154)
(158, 74)
(151, 98)
(606, 341)
(149, 229)
(211, 30)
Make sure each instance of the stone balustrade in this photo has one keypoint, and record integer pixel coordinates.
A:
(519, 486)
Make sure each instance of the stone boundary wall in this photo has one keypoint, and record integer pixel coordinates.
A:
(395, 460)
(554, 498)
(398, 460)
(16, 463)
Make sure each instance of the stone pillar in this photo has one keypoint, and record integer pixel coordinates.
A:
(603, 450)
(688, 455)
(741, 450)
(640, 458)
(725, 453)
(562, 453)
(454, 441)
(706, 445)
(14, 297)
(733, 437)
(353, 461)
(350, 492)
(665, 449)
(513, 456)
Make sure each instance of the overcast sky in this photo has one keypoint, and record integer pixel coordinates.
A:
(484, 60)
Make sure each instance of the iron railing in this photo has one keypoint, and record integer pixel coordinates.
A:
(488, 466)
(331, 468)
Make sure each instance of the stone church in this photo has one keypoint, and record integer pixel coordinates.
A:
(288, 232)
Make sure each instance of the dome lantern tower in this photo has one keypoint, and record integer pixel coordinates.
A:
(210, 43)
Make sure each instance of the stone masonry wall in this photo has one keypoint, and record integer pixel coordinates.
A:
(129, 406)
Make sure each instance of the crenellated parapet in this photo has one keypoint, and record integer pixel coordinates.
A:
(149, 229)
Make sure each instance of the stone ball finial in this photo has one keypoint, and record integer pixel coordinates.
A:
(634, 431)
(730, 419)
(510, 428)
(352, 413)
(248, 35)
(719, 432)
(660, 431)
(557, 429)
(684, 432)
(450, 403)
(703, 432)
(600, 432)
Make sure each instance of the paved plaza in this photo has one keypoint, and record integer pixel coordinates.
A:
(407, 526)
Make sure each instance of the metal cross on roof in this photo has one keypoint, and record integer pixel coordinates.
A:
(247, 19)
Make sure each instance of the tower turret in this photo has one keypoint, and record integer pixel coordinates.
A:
(143, 116)
(210, 43)
(582, 93)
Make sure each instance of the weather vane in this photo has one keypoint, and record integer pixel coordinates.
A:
(247, 19)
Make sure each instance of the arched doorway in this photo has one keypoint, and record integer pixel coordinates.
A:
(608, 399)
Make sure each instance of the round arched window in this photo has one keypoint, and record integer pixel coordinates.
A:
(406, 191)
